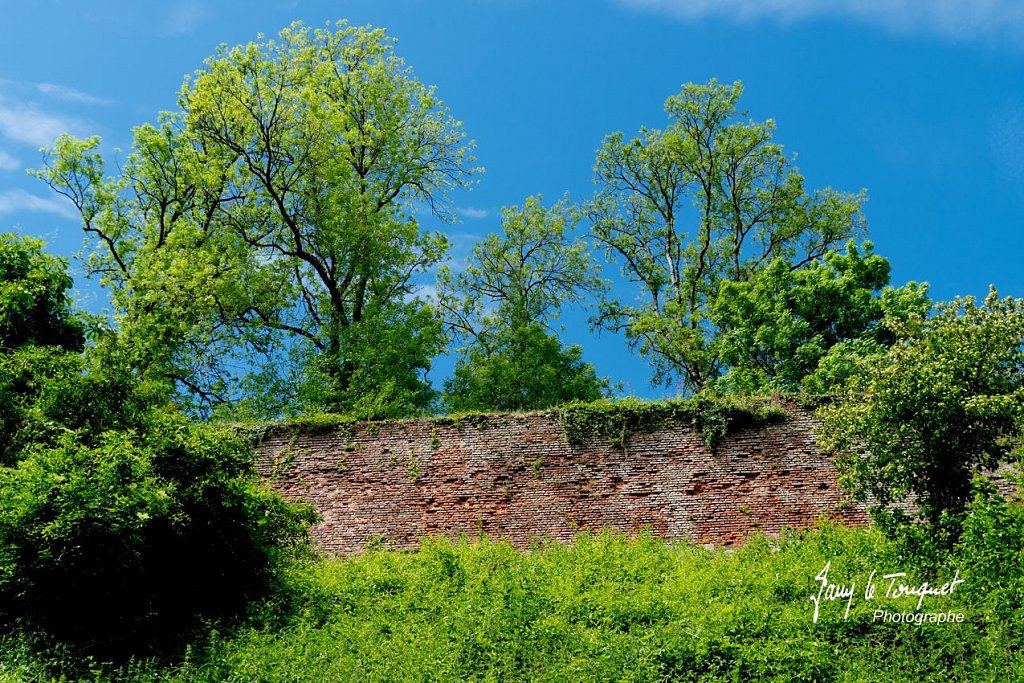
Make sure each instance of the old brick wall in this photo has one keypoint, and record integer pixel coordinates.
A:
(515, 477)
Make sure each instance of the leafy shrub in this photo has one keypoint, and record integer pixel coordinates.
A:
(945, 402)
(605, 608)
(991, 550)
(34, 306)
(121, 523)
(122, 544)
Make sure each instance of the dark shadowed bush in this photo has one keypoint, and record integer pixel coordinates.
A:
(122, 524)
(123, 544)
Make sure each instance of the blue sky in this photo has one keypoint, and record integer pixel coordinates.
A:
(920, 102)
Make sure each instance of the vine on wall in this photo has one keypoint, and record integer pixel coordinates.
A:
(711, 416)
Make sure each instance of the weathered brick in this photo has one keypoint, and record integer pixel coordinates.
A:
(515, 477)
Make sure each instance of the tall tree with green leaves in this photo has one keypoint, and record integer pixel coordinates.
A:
(945, 402)
(502, 309)
(122, 524)
(710, 199)
(35, 308)
(806, 329)
(266, 232)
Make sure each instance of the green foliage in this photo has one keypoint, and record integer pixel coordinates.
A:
(991, 552)
(709, 415)
(500, 308)
(751, 209)
(269, 224)
(46, 391)
(525, 275)
(523, 368)
(43, 384)
(121, 524)
(34, 304)
(38, 329)
(122, 545)
(23, 375)
(788, 329)
(945, 402)
(312, 424)
(602, 609)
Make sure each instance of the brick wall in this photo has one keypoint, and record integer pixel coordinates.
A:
(515, 477)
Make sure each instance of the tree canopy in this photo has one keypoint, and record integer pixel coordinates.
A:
(38, 328)
(267, 227)
(523, 368)
(708, 200)
(788, 329)
(945, 402)
(502, 308)
(34, 304)
(122, 524)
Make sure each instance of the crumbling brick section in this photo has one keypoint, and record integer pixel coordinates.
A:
(516, 477)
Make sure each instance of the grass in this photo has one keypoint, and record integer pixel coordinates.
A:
(605, 608)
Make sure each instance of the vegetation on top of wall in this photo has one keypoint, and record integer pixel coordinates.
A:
(475, 418)
(254, 433)
(710, 415)
(322, 422)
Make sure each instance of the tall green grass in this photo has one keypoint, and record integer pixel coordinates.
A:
(605, 608)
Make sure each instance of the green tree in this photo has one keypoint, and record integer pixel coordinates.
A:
(521, 368)
(34, 305)
(945, 402)
(786, 329)
(37, 330)
(268, 225)
(751, 210)
(502, 308)
(121, 524)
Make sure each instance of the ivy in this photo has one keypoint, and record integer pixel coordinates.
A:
(252, 434)
(323, 422)
(459, 420)
(710, 415)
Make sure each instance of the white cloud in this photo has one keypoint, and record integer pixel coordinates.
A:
(67, 94)
(13, 201)
(474, 214)
(30, 125)
(8, 163)
(184, 17)
(461, 243)
(957, 19)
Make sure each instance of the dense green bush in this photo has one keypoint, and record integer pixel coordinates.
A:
(944, 402)
(34, 306)
(122, 524)
(605, 608)
(991, 551)
(120, 545)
